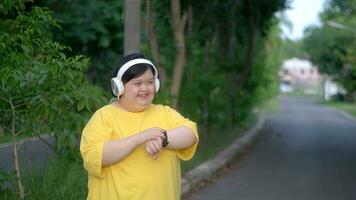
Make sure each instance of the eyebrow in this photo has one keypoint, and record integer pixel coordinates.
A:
(137, 80)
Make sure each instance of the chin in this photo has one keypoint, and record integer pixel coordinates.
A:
(145, 104)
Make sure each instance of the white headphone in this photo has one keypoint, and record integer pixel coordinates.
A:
(117, 86)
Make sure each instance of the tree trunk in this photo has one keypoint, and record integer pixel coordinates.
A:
(132, 26)
(16, 158)
(1, 131)
(154, 44)
(208, 55)
(189, 58)
(232, 76)
(178, 26)
(250, 46)
(232, 31)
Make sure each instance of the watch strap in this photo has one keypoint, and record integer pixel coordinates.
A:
(165, 139)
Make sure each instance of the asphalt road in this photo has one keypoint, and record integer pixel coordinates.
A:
(32, 153)
(304, 152)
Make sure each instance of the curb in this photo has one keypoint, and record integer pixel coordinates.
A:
(342, 113)
(346, 115)
(205, 170)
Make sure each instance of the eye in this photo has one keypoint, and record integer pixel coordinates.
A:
(137, 83)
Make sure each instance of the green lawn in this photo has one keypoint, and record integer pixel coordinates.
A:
(59, 179)
(269, 106)
(216, 143)
(342, 106)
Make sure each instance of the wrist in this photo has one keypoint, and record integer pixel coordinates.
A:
(139, 139)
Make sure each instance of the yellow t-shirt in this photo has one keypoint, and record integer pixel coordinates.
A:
(138, 176)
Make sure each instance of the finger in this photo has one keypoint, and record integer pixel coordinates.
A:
(148, 150)
(151, 136)
(156, 145)
(153, 148)
(155, 156)
(161, 130)
(159, 140)
(158, 130)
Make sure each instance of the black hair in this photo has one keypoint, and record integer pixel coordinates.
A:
(134, 71)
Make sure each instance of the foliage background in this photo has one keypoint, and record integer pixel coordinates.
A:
(333, 49)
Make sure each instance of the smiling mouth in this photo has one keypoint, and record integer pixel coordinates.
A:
(143, 95)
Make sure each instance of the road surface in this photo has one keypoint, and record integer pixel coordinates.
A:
(304, 152)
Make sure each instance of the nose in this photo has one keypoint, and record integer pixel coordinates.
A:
(144, 87)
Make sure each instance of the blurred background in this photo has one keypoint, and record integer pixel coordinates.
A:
(220, 64)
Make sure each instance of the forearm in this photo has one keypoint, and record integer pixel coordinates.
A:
(180, 138)
(116, 150)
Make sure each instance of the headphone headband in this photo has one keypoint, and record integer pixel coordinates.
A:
(133, 62)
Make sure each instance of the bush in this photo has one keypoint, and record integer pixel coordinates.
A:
(42, 90)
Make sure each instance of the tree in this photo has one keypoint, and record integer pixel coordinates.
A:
(331, 47)
(42, 90)
(178, 26)
(91, 28)
(152, 38)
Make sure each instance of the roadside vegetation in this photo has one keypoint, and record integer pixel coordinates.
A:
(332, 45)
(269, 106)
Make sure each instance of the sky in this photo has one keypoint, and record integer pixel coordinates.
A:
(302, 14)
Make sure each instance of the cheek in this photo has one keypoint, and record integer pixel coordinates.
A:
(152, 88)
(135, 90)
(130, 90)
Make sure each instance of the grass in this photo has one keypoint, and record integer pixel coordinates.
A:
(301, 93)
(59, 179)
(269, 106)
(342, 106)
(215, 143)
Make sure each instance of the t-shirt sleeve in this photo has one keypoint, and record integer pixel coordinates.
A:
(177, 120)
(94, 135)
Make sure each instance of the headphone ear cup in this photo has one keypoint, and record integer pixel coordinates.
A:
(114, 86)
(157, 84)
(120, 88)
(117, 87)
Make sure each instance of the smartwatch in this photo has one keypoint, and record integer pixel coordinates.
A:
(164, 139)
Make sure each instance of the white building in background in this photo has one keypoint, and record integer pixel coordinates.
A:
(299, 74)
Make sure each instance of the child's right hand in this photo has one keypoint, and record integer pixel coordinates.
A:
(150, 134)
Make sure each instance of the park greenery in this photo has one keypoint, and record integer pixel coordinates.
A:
(332, 46)
(42, 89)
(58, 56)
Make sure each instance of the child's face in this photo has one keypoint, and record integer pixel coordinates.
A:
(139, 92)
